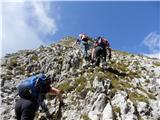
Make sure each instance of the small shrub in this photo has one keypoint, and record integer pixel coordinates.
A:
(80, 84)
(134, 96)
(66, 87)
(91, 78)
(150, 95)
(49, 97)
(9, 72)
(7, 77)
(156, 63)
(136, 74)
(21, 70)
(85, 117)
(12, 63)
(34, 57)
(116, 109)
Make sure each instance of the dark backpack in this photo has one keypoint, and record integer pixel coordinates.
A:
(28, 87)
(102, 42)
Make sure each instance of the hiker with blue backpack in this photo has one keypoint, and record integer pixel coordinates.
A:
(32, 92)
(84, 46)
(99, 51)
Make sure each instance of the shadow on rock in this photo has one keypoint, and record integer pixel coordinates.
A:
(58, 114)
(115, 71)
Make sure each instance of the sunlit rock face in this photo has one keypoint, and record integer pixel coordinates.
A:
(126, 88)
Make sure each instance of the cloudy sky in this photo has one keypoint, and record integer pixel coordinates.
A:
(129, 26)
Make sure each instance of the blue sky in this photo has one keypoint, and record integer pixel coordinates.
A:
(130, 26)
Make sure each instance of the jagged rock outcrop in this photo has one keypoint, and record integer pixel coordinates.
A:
(128, 88)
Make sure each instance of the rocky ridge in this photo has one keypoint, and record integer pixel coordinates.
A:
(128, 88)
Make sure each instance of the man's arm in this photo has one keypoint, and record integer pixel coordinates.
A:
(56, 92)
(92, 54)
(74, 43)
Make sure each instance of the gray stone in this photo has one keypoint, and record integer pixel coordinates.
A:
(107, 112)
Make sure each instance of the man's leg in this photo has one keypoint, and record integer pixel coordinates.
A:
(28, 109)
(97, 55)
(104, 54)
(18, 110)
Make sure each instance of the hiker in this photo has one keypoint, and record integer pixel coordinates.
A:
(83, 42)
(99, 52)
(32, 92)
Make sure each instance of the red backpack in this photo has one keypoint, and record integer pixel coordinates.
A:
(102, 42)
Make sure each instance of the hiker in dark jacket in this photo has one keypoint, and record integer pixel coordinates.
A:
(99, 52)
(32, 91)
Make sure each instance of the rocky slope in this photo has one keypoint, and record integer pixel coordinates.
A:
(128, 88)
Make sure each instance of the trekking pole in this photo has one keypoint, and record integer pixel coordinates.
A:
(46, 110)
(59, 112)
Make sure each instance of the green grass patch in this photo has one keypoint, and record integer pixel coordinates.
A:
(136, 63)
(7, 77)
(120, 66)
(21, 70)
(156, 63)
(134, 97)
(116, 109)
(80, 84)
(150, 95)
(136, 74)
(101, 76)
(90, 77)
(12, 63)
(126, 85)
(121, 52)
(9, 72)
(66, 87)
(34, 57)
(68, 41)
(85, 117)
(119, 84)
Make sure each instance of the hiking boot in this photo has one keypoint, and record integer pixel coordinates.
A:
(102, 64)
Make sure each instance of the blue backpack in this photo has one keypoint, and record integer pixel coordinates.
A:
(31, 87)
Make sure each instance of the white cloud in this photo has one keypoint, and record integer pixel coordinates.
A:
(153, 55)
(24, 24)
(45, 24)
(152, 41)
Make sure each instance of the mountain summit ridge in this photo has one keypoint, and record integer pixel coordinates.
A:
(128, 88)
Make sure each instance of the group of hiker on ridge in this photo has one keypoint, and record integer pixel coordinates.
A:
(99, 51)
(33, 89)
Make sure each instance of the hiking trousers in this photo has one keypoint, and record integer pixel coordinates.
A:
(84, 48)
(100, 54)
(25, 109)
